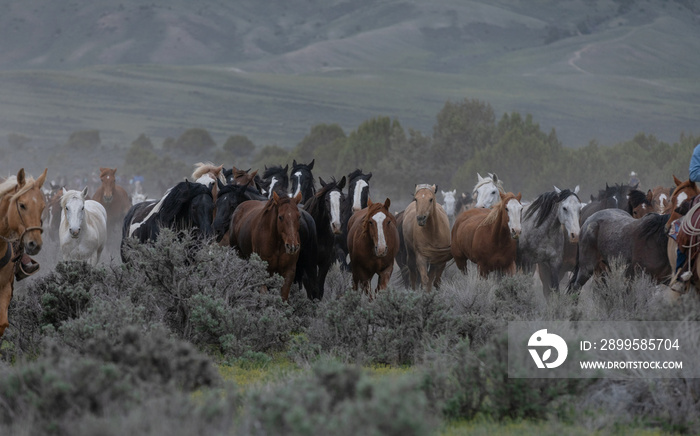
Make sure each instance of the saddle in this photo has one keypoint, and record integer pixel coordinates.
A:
(688, 236)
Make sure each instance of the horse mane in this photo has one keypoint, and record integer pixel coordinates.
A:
(545, 203)
(496, 210)
(353, 175)
(179, 195)
(68, 195)
(202, 168)
(11, 183)
(635, 198)
(275, 170)
(654, 226)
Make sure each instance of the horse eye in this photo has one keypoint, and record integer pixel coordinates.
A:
(22, 206)
(280, 217)
(566, 209)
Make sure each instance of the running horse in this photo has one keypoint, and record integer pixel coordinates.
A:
(114, 198)
(303, 180)
(487, 190)
(21, 206)
(271, 230)
(373, 242)
(358, 193)
(425, 229)
(488, 237)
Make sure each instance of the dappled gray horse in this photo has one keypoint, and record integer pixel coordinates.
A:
(613, 233)
(547, 223)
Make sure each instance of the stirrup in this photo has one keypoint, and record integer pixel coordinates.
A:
(23, 271)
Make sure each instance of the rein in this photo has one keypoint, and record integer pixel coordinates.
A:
(692, 230)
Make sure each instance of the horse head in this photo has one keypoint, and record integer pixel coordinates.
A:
(358, 189)
(244, 177)
(511, 206)
(332, 195)
(287, 221)
(201, 208)
(275, 179)
(73, 206)
(376, 223)
(487, 190)
(107, 176)
(449, 199)
(228, 199)
(425, 202)
(24, 207)
(684, 190)
(569, 212)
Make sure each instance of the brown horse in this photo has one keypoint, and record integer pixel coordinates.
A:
(270, 229)
(488, 237)
(660, 196)
(373, 241)
(21, 206)
(244, 177)
(114, 198)
(683, 191)
(425, 229)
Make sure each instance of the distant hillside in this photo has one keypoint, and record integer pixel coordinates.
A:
(592, 69)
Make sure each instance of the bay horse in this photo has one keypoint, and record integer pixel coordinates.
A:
(185, 206)
(21, 206)
(548, 223)
(639, 204)
(613, 233)
(660, 197)
(487, 190)
(303, 180)
(324, 207)
(373, 242)
(113, 197)
(83, 231)
(271, 230)
(358, 194)
(243, 177)
(426, 238)
(488, 237)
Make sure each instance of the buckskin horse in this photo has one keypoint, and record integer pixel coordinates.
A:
(373, 241)
(271, 230)
(21, 206)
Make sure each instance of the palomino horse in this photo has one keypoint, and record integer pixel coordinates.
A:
(303, 180)
(542, 240)
(373, 241)
(114, 198)
(21, 204)
(358, 194)
(488, 237)
(83, 230)
(487, 190)
(270, 229)
(613, 233)
(324, 207)
(207, 174)
(426, 237)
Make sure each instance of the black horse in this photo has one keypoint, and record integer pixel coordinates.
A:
(612, 197)
(325, 208)
(185, 206)
(275, 179)
(303, 180)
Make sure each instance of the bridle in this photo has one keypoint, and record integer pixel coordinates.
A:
(16, 243)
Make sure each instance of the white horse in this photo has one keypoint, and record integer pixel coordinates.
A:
(83, 230)
(449, 201)
(487, 191)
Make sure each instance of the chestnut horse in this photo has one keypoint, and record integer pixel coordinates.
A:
(488, 237)
(426, 238)
(373, 242)
(271, 230)
(683, 191)
(21, 206)
(114, 198)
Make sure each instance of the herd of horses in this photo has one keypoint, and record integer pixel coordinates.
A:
(300, 230)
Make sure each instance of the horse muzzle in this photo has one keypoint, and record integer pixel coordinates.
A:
(32, 247)
(422, 220)
(74, 233)
(291, 248)
(380, 251)
(336, 228)
(107, 199)
(573, 238)
(515, 233)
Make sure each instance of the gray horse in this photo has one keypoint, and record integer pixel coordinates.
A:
(613, 233)
(547, 223)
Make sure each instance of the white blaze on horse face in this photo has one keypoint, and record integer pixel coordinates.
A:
(662, 202)
(273, 182)
(335, 212)
(357, 198)
(569, 212)
(298, 176)
(380, 249)
(206, 180)
(515, 211)
(680, 199)
(75, 215)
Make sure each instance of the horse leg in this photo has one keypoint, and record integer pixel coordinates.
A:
(5, 298)
(384, 277)
(422, 266)
(288, 280)
(461, 263)
(435, 273)
(411, 262)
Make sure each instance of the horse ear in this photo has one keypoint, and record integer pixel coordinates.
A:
(294, 162)
(443, 192)
(84, 193)
(519, 196)
(369, 176)
(255, 173)
(63, 191)
(42, 178)
(21, 180)
(435, 189)
(494, 177)
(297, 198)
(387, 203)
(676, 181)
(650, 196)
(311, 165)
(321, 181)
(341, 184)
(557, 190)
(479, 178)
(286, 168)
(502, 194)
(275, 197)
(576, 189)
(454, 192)
(369, 202)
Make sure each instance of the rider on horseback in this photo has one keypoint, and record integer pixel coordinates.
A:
(679, 280)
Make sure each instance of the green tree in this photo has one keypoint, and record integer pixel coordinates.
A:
(321, 136)
(193, 141)
(239, 146)
(84, 140)
(367, 145)
(269, 155)
(462, 128)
